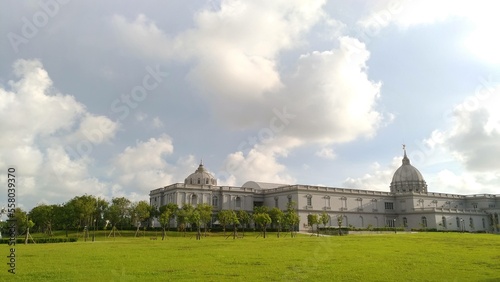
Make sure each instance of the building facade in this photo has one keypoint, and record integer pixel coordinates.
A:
(408, 204)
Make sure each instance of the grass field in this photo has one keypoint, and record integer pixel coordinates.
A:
(388, 257)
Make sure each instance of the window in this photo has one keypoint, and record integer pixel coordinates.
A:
(458, 222)
(238, 202)
(443, 221)
(206, 180)
(199, 181)
(343, 200)
(471, 223)
(491, 205)
(389, 205)
(327, 202)
(276, 201)
(405, 222)
(194, 200)
(424, 222)
(474, 205)
(215, 201)
(289, 198)
(309, 200)
(360, 203)
(484, 224)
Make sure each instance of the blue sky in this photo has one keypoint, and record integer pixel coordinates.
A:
(118, 98)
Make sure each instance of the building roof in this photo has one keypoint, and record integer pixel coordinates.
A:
(201, 176)
(407, 178)
(262, 185)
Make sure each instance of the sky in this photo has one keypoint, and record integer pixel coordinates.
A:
(117, 98)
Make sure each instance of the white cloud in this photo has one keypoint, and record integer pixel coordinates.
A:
(331, 96)
(378, 178)
(39, 127)
(143, 167)
(326, 153)
(157, 123)
(260, 163)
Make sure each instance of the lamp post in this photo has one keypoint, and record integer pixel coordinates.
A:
(394, 224)
(93, 235)
(278, 228)
(463, 226)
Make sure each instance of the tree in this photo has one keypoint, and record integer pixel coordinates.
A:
(183, 216)
(164, 219)
(324, 218)
(119, 212)
(277, 216)
(243, 218)
(311, 220)
(84, 207)
(140, 212)
(263, 220)
(172, 208)
(43, 217)
(340, 218)
(205, 211)
(65, 216)
(224, 217)
(291, 217)
(195, 218)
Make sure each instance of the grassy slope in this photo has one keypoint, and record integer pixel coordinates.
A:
(391, 257)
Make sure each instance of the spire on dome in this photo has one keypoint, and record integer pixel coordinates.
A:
(406, 161)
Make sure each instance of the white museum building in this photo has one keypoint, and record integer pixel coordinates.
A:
(408, 204)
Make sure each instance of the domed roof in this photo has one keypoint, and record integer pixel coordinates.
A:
(201, 177)
(407, 178)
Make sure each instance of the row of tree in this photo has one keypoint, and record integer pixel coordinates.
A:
(84, 213)
(324, 219)
(87, 212)
(201, 215)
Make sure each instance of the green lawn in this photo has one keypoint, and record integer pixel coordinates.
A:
(388, 257)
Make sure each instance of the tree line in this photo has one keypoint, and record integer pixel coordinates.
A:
(87, 212)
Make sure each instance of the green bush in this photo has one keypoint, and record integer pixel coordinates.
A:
(40, 240)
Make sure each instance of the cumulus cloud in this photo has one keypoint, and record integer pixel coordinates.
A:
(378, 178)
(260, 163)
(144, 167)
(326, 153)
(233, 54)
(40, 126)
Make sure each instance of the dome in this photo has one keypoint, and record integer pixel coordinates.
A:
(201, 177)
(408, 179)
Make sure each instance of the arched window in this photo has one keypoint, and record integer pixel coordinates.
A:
(194, 200)
(405, 222)
(206, 180)
(215, 201)
(424, 222)
(276, 201)
(238, 202)
(199, 181)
